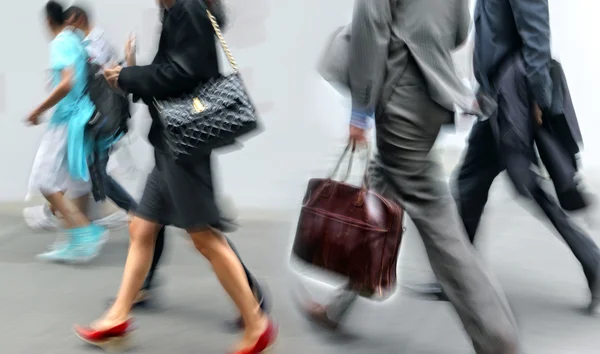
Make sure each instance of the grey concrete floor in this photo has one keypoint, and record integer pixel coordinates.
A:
(40, 302)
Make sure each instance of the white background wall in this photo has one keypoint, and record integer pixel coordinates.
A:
(277, 44)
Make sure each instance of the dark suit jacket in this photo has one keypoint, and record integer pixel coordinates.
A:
(561, 166)
(557, 140)
(562, 114)
(512, 39)
(186, 57)
(506, 27)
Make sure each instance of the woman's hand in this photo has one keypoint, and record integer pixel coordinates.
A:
(34, 117)
(130, 49)
(112, 75)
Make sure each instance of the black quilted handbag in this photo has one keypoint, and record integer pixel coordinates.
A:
(216, 114)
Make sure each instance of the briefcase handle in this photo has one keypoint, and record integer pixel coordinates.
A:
(352, 148)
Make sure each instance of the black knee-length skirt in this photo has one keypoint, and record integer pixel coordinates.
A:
(180, 195)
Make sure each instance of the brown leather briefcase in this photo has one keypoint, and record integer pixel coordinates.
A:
(350, 231)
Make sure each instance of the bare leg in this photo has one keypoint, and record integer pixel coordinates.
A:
(215, 248)
(142, 234)
(73, 217)
(230, 273)
(81, 203)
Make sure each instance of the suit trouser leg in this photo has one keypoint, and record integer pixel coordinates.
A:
(403, 171)
(516, 136)
(518, 167)
(251, 279)
(477, 173)
(156, 257)
(342, 303)
(475, 176)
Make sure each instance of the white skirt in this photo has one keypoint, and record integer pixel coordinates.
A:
(50, 171)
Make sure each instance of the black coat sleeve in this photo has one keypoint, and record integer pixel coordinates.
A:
(191, 46)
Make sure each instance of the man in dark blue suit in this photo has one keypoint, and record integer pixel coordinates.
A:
(512, 64)
(509, 28)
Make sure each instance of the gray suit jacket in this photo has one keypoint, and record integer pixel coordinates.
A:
(370, 54)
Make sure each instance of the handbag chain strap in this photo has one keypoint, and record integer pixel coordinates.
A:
(219, 34)
(222, 41)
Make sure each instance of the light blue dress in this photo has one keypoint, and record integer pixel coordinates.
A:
(75, 109)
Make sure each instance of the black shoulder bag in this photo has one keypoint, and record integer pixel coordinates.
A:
(216, 114)
(112, 107)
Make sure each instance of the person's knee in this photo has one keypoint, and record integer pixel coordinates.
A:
(208, 242)
(142, 233)
(465, 193)
(524, 180)
(524, 185)
(47, 191)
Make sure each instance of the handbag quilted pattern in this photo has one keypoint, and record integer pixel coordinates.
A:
(214, 115)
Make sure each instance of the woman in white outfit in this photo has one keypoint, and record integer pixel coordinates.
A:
(61, 160)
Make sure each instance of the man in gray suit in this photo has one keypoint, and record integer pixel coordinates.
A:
(400, 71)
(514, 70)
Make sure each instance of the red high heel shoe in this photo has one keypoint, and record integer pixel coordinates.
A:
(264, 342)
(115, 337)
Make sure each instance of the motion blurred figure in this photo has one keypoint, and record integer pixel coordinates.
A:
(100, 50)
(61, 160)
(400, 70)
(512, 64)
(178, 193)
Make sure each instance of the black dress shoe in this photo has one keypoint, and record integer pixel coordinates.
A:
(432, 291)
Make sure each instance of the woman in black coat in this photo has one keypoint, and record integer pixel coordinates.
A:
(179, 194)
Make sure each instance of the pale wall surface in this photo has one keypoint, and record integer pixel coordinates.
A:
(277, 43)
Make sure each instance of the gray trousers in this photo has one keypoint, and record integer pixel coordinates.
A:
(406, 128)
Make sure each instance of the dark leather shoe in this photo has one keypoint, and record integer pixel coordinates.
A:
(432, 291)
